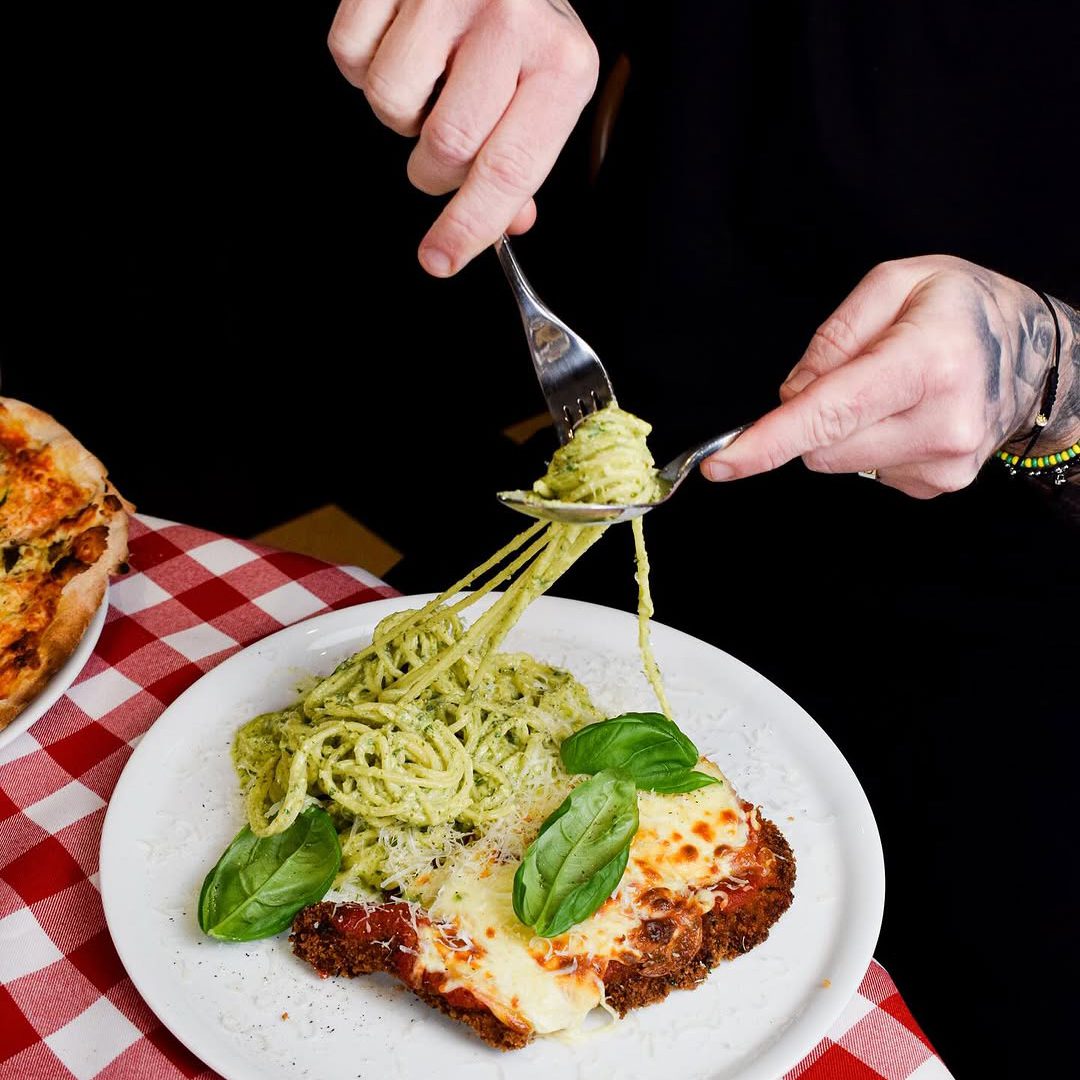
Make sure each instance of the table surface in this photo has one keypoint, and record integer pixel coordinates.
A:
(191, 599)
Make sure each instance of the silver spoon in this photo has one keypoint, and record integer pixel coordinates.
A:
(669, 477)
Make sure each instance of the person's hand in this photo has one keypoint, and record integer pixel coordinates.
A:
(921, 373)
(517, 75)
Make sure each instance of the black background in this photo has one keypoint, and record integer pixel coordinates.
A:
(212, 280)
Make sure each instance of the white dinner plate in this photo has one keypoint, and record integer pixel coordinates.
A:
(61, 679)
(253, 1011)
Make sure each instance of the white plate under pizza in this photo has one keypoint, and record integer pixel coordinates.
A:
(57, 685)
(254, 1010)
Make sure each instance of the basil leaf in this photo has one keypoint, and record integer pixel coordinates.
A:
(578, 859)
(260, 883)
(680, 783)
(648, 746)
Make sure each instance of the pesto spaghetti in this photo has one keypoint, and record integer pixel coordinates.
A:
(424, 741)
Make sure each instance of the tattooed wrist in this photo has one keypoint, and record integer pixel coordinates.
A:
(1064, 426)
(1033, 360)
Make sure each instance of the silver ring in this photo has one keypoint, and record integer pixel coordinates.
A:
(870, 474)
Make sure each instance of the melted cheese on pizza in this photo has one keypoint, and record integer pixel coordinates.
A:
(686, 851)
(35, 490)
(33, 575)
(58, 518)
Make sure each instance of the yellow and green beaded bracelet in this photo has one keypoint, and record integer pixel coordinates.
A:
(1057, 463)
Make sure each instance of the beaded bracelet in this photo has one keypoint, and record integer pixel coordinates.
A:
(1057, 464)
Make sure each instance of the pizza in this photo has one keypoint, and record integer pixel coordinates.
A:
(63, 530)
(706, 879)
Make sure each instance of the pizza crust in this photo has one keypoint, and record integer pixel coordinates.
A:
(72, 457)
(75, 470)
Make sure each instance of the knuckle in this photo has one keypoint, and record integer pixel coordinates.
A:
(577, 56)
(509, 168)
(341, 47)
(384, 98)
(884, 272)
(463, 229)
(819, 463)
(961, 436)
(834, 335)
(772, 457)
(450, 143)
(350, 57)
(895, 277)
(426, 179)
(832, 422)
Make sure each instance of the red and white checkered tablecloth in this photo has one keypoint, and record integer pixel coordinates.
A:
(192, 598)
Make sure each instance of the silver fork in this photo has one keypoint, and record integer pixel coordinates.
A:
(571, 376)
(575, 384)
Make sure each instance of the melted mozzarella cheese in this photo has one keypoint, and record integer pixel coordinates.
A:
(685, 843)
(501, 963)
